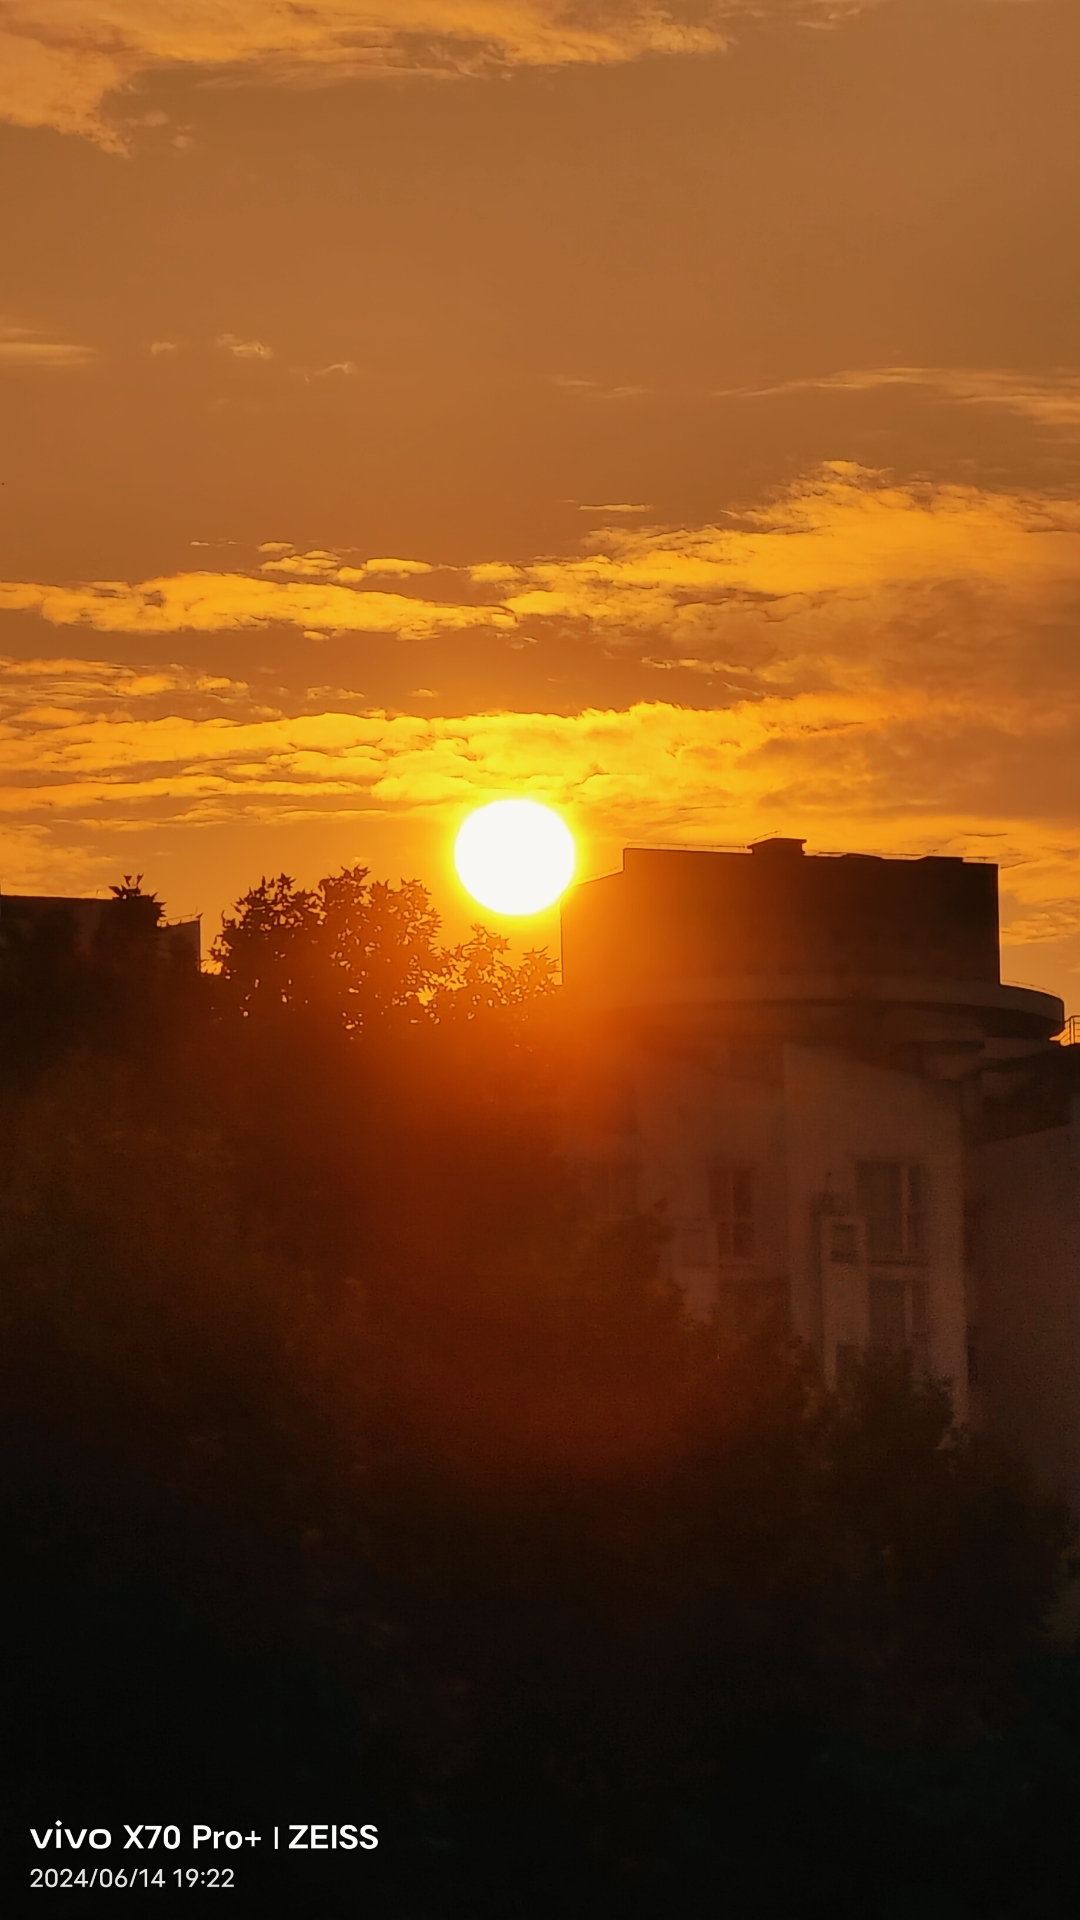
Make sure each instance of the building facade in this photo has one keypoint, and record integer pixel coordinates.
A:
(810, 1066)
(85, 926)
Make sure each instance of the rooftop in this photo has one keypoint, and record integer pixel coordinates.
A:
(775, 924)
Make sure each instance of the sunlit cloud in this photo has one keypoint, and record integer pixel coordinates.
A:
(244, 349)
(880, 770)
(231, 602)
(594, 390)
(22, 346)
(842, 546)
(842, 543)
(59, 691)
(1050, 399)
(883, 667)
(60, 59)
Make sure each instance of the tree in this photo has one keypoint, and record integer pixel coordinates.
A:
(362, 953)
(347, 952)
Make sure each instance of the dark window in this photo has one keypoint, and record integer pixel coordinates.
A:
(891, 1196)
(843, 1242)
(888, 1331)
(731, 1203)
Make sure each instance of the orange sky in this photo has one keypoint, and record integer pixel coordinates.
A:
(670, 412)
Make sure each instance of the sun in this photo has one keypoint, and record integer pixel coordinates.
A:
(515, 856)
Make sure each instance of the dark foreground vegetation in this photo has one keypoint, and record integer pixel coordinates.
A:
(350, 1476)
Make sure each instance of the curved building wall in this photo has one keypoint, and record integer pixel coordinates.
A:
(798, 1041)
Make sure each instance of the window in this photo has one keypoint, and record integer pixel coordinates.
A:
(891, 1196)
(611, 1188)
(888, 1315)
(731, 1203)
(843, 1242)
(900, 1317)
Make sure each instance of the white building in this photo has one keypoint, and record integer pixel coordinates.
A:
(810, 1065)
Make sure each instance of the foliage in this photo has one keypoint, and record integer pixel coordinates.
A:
(360, 952)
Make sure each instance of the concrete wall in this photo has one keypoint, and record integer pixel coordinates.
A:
(839, 1111)
(84, 921)
(802, 1117)
(1024, 1281)
(682, 915)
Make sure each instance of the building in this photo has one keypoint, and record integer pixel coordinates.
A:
(811, 1066)
(85, 925)
(1023, 1242)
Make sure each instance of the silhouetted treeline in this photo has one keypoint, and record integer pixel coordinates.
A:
(349, 1463)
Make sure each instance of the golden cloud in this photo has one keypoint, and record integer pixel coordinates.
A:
(842, 577)
(23, 347)
(1049, 399)
(59, 59)
(886, 668)
(244, 349)
(227, 602)
(894, 772)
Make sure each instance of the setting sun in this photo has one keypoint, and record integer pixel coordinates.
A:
(515, 856)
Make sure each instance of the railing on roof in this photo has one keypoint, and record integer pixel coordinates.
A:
(1070, 1033)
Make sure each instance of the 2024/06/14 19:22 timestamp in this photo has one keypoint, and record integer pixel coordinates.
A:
(221, 1878)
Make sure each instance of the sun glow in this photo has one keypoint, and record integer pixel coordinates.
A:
(515, 856)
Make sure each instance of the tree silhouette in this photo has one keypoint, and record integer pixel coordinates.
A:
(358, 953)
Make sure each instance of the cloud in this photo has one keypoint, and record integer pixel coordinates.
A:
(24, 347)
(59, 59)
(870, 770)
(44, 353)
(319, 564)
(59, 691)
(842, 532)
(589, 389)
(232, 602)
(841, 546)
(1050, 399)
(244, 349)
(886, 668)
